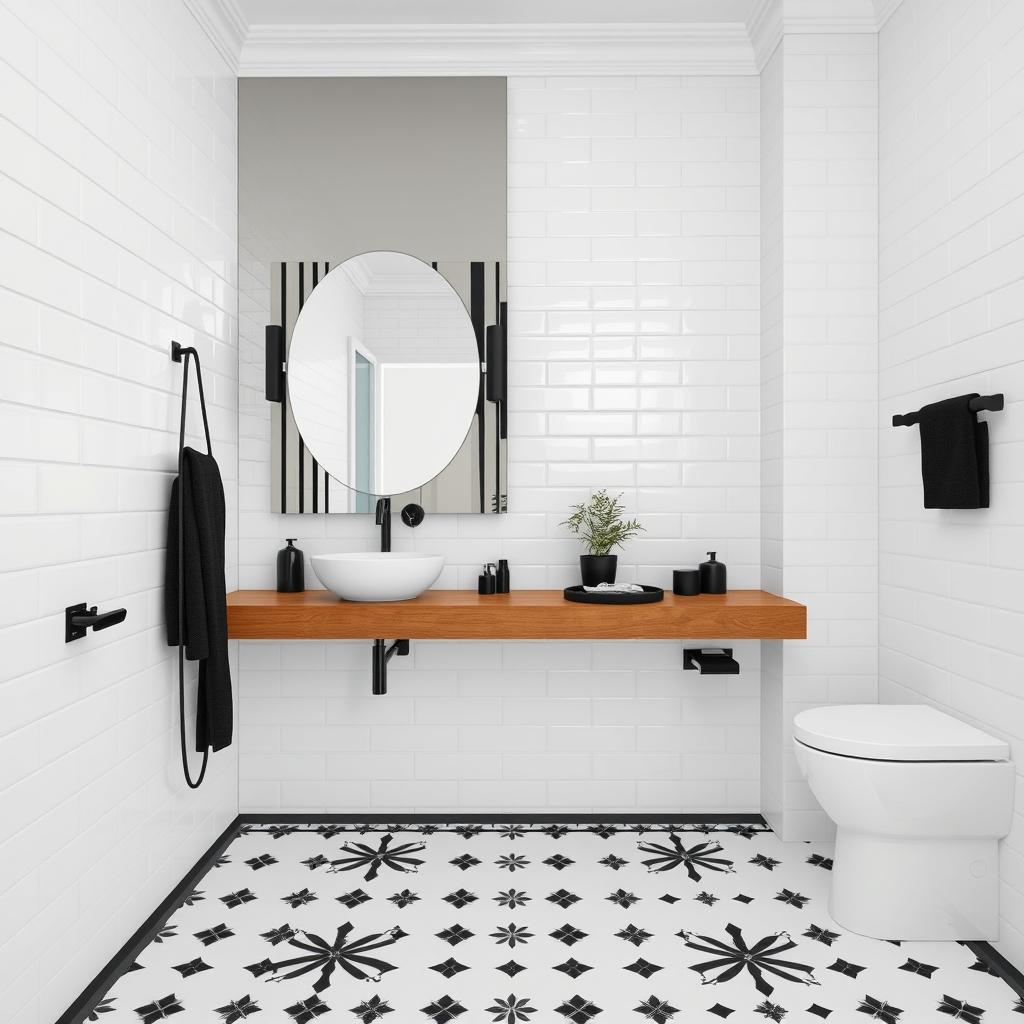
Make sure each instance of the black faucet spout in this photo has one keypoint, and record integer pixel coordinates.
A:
(383, 520)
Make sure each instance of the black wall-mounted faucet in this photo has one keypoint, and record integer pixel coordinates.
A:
(383, 520)
(412, 516)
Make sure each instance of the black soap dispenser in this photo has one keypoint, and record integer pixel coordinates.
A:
(712, 575)
(291, 574)
(486, 583)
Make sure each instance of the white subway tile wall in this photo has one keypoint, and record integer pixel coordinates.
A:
(117, 234)
(819, 401)
(951, 277)
(634, 365)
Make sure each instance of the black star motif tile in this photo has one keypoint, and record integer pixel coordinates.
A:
(208, 936)
(192, 967)
(882, 1010)
(455, 934)
(354, 898)
(563, 898)
(403, 898)
(511, 968)
(658, 1011)
(642, 967)
(568, 935)
(280, 934)
(449, 968)
(237, 899)
(631, 933)
(303, 924)
(822, 935)
(622, 898)
(847, 969)
(444, 1009)
(579, 1010)
(558, 862)
(913, 966)
(370, 1010)
(460, 898)
(264, 860)
(573, 968)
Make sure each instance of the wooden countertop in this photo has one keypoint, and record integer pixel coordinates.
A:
(521, 615)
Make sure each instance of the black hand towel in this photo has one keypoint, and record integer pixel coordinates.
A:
(205, 593)
(954, 455)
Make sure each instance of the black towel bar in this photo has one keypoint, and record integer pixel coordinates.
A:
(983, 403)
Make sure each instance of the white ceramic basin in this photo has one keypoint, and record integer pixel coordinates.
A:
(377, 575)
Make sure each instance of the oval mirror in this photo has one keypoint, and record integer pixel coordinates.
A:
(383, 373)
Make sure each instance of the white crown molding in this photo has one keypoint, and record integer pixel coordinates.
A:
(770, 20)
(613, 49)
(224, 24)
(723, 48)
(884, 10)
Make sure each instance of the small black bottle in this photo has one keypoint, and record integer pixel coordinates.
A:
(502, 580)
(291, 575)
(712, 576)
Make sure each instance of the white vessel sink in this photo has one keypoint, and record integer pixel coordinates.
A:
(377, 575)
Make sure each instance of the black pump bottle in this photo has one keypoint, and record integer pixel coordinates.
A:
(291, 576)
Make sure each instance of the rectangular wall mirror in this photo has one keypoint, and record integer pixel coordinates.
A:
(372, 244)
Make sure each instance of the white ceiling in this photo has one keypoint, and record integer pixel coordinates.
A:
(492, 12)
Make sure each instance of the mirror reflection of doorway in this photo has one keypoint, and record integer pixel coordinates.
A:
(364, 414)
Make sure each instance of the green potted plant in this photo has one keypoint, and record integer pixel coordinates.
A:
(599, 523)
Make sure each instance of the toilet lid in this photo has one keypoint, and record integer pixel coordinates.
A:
(895, 732)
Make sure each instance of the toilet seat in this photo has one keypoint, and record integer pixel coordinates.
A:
(895, 732)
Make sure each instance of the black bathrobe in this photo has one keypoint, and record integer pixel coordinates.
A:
(205, 603)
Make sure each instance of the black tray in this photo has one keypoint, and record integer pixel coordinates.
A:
(651, 595)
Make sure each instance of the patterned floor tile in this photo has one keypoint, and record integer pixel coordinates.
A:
(534, 923)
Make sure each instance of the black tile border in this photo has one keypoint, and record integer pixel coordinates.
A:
(502, 819)
(126, 955)
(998, 964)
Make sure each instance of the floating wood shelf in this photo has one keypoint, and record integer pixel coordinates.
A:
(521, 615)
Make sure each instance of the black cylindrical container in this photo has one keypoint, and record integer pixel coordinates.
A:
(291, 573)
(686, 582)
(712, 575)
(596, 569)
(486, 583)
(503, 581)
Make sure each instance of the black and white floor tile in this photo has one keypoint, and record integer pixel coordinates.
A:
(534, 923)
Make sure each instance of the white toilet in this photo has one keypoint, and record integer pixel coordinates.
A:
(920, 801)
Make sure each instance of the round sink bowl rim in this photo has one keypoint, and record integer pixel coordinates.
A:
(378, 575)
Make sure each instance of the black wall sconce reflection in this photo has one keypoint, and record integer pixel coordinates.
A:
(79, 619)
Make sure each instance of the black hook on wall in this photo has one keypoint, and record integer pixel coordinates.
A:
(79, 619)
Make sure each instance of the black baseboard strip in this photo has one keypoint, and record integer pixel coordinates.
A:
(999, 965)
(126, 955)
(501, 819)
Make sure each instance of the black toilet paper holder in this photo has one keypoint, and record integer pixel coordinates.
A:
(711, 661)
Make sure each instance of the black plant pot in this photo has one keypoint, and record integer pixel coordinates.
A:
(597, 569)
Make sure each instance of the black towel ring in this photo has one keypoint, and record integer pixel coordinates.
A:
(177, 352)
